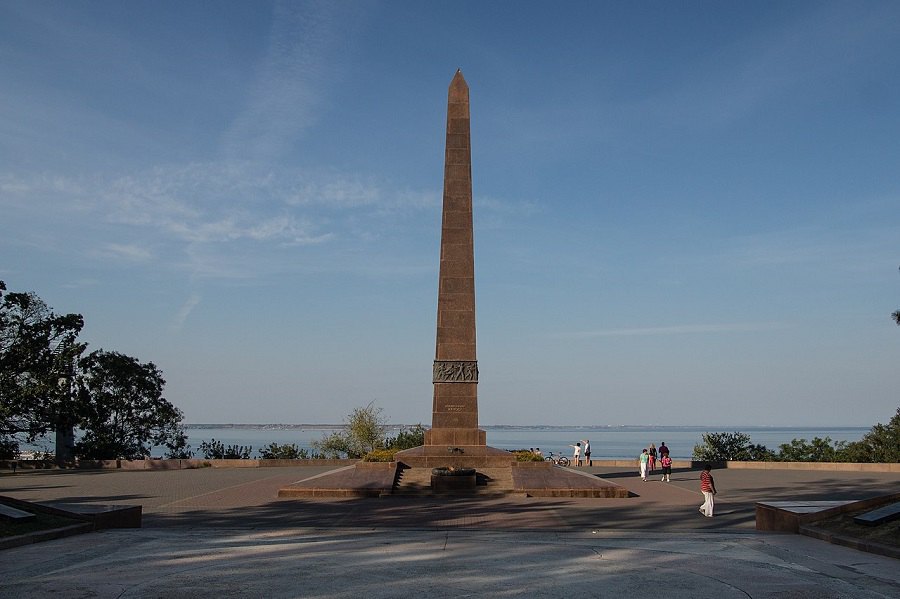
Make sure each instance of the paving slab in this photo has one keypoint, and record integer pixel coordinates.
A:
(225, 533)
(379, 563)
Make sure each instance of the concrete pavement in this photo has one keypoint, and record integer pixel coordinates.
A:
(224, 533)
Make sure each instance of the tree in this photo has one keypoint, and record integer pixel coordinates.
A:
(366, 427)
(39, 351)
(883, 442)
(216, 450)
(817, 450)
(363, 432)
(288, 451)
(122, 412)
(718, 447)
(406, 438)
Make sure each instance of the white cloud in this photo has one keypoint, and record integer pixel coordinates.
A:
(189, 304)
(281, 103)
(123, 252)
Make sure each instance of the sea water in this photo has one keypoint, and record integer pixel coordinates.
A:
(614, 442)
(611, 442)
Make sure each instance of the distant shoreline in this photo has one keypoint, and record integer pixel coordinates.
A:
(523, 427)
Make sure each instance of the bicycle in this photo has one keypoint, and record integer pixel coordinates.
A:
(557, 458)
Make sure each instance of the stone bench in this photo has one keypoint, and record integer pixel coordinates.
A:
(15, 515)
(879, 516)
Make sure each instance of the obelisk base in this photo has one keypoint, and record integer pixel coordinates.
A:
(455, 456)
(449, 437)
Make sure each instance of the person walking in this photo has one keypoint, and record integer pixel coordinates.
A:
(666, 463)
(663, 450)
(644, 458)
(708, 488)
(586, 448)
(576, 456)
(652, 453)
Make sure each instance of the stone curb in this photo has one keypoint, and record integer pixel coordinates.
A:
(45, 535)
(852, 542)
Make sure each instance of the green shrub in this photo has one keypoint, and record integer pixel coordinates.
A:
(407, 438)
(524, 455)
(274, 451)
(216, 450)
(380, 455)
(817, 450)
(719, 447)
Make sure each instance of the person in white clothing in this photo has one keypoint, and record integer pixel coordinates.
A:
(576, 456)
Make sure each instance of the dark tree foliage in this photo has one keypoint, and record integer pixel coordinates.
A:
(817, 450)
(882, 443)
(9, 448)
(216, 450)
(719, 447)
(274, 451)
(406, 438)
(122, 410)
(39, 351)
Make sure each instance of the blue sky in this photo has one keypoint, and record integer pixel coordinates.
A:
(685, 213)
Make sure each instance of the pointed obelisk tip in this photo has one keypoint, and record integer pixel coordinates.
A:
(459, 82)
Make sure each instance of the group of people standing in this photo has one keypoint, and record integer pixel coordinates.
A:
(648, 460)
(582, 448)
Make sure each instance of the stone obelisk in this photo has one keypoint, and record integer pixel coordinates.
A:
(454, 438)
(454, 420)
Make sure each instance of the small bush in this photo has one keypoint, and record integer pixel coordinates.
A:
(216, 450)
(524, 455)
(274, 451)
(407, 438)
(380, 455)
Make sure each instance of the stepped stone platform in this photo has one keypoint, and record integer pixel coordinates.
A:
(363, 479)
(464, 456)
(532, 479)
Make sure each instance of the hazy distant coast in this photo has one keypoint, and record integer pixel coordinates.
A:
(524, 427)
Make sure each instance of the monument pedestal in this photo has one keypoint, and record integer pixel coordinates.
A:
(456, 456)
(455, 436)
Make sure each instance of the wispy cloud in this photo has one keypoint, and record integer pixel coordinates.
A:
(189, 304)
(212, 219)
(282, 102)
(123, 252)
(687, 329)
(845, 249)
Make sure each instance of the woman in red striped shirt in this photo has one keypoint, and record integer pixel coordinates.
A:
(708, 488)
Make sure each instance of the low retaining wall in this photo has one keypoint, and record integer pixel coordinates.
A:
(259, 463)
(200, 463)
(823, 466)
(827, 466)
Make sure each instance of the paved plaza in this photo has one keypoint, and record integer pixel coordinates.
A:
(224, 533)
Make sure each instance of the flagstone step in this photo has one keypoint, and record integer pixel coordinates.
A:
(417, 481)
